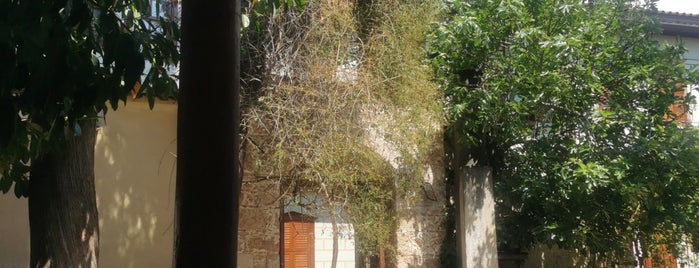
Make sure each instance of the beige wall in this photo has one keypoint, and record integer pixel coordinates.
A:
(134, 171)
(14, 231)
(135, 160)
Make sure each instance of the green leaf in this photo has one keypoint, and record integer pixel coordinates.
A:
(8, 120)
(5, 184)
(21, 188)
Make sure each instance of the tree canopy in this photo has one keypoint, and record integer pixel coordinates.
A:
(577, 107)
(63, 61)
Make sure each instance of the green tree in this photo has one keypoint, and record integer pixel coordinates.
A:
(575, 106)
(61, 62)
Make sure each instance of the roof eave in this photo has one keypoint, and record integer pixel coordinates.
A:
(680, 30)
(679, 24)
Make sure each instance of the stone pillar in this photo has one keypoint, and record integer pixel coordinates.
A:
(476, 206)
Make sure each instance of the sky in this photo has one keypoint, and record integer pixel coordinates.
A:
(684, 6)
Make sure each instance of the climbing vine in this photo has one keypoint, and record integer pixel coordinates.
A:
(340, 104)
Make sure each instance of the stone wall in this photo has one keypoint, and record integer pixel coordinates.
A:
(258, 224)
(420, 229)
(419, 232)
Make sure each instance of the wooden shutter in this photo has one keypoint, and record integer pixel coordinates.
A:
(297, 246)
(677, 110)
(661, 259)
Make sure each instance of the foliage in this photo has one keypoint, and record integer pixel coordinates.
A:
(341, 109)
(258, 10)
(62, 61)
(576, 107)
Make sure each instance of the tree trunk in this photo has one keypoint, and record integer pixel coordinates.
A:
(382, 257)
(63, 218)
(336, 236)
(208, 181)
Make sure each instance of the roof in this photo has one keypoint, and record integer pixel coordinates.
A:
(677, 23)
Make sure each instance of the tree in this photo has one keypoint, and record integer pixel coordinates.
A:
(576, 108)
(328, 89)
(62, 61)
(208, 182)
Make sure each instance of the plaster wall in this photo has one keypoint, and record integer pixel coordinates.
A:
(692, 45)
(14, 231)
(135, 159)
(134, 177)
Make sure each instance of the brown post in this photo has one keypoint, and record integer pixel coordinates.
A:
(208, 181)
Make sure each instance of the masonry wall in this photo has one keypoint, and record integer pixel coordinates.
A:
(420, 229)
(258, 230)
(259, 218)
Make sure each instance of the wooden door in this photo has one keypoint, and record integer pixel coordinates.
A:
(297, 241)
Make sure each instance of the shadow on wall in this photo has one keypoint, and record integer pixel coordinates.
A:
(134, 173)
(135, 159)
(477, 218)
(14, 231)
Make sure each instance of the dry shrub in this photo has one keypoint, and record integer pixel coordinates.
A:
(338, 99)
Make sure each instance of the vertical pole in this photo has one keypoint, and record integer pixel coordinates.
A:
(208, 181)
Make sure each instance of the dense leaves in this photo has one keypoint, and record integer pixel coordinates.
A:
(576, 106)
(62, 61)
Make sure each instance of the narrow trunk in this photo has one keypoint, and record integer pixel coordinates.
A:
(382, 257)
(63, 219)
(336, 235)
(208, 181)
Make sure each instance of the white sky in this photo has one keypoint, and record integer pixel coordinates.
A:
(684, 6)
